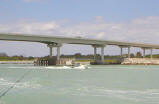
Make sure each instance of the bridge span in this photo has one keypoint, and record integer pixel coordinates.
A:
(56, 41)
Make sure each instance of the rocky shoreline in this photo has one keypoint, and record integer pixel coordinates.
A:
(140, 61)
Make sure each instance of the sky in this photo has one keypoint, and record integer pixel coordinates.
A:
(120, 20)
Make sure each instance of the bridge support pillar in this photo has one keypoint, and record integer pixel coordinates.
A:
(102, 54)
(58, 53)
(143, 52)
(128, 52)
(51, 50)
(151, 53)
(121, 51)
(51, 46)
(95, 52)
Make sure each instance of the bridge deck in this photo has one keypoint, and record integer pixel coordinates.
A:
(57, 39)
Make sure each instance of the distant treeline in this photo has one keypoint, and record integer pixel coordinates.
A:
(5, 57)
(98, 56)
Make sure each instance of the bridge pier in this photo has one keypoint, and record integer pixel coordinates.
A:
(51, 46)
(58, 53)
(121, 50)
(129, 52)
(151, 53)
(51, 50)
(102, 52)
(143, 52)
(95, 52)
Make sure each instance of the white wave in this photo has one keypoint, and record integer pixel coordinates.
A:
(48, 67)
(28, 85)
(22, 67)
(2, 79)
(80, 67)
(56, 67)
(7, 83)
(145, 95)
(67, 67)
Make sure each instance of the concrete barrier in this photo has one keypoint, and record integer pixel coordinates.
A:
(140, 61)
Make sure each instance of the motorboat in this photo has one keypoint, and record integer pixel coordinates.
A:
(79, 66)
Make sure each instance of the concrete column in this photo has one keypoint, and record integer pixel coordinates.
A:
(95, 52)
(102, 54)
(143, 52)
(128, 52)
(151, 53)
(58, 53)
(121, 51)
(51, 50)
(51, 46)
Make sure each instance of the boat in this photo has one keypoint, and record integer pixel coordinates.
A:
(79, 66)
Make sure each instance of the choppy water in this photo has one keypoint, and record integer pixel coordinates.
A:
(98, 85)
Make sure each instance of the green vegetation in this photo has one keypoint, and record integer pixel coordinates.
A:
(154, 56)
(5, 57)
(84, 60)
(78, 56)
(111, 61)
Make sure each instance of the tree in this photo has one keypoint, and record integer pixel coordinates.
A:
(132, 55)
(30, 58)
(78, 55)
(138, 54)
(3, 54)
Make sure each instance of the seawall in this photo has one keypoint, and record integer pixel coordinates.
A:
(140, 61)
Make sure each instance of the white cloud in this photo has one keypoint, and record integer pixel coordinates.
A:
(30, 28)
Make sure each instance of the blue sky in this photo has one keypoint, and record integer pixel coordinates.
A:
(77, 10)
(121, 20)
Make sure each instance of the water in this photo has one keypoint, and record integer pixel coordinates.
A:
(111, 84)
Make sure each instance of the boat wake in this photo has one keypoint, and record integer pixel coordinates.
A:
(81, 67)
(6, 83)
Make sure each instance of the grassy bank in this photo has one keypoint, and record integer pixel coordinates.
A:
(16, 58)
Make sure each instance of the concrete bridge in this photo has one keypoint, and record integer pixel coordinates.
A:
(56, 41)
